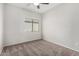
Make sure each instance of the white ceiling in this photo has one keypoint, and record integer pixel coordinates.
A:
(32, 7)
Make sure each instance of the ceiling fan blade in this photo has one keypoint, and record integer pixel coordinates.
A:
(38, 6)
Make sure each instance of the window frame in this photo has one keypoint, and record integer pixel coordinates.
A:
(32, 21)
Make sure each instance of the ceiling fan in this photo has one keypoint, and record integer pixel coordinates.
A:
(38, 4)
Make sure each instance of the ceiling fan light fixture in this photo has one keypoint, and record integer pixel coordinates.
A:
(36, 4)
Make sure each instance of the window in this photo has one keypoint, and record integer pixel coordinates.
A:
(32, 25)
(35, 25)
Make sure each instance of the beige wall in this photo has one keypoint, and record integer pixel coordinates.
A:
(1, 27)
(61, 25)
(14, 25)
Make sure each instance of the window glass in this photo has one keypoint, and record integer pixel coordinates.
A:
(35, 27)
